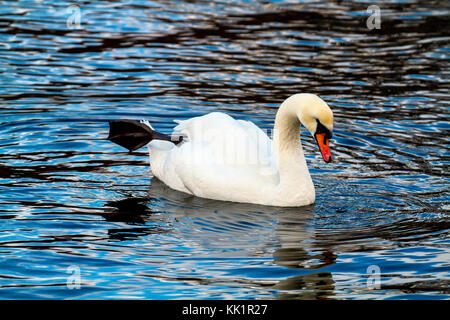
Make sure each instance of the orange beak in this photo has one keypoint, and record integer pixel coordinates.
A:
(322, 142)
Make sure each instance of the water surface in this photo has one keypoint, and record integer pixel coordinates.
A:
(72, 203)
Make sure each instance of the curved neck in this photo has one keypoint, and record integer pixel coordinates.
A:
(293, 171)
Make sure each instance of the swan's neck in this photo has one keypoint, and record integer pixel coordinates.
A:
(295, 180)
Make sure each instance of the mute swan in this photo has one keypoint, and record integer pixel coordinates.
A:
(217, 157)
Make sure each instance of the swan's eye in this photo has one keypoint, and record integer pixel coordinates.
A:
(322, 129)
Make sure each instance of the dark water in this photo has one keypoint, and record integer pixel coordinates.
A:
(81, 218)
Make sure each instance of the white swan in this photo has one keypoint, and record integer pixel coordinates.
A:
(233, 160)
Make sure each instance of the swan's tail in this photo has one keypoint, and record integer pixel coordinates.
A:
(133, 134)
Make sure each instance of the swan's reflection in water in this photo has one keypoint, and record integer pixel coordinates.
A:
(232, 230)
(311, 286)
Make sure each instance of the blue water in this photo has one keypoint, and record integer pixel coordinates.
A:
(81, 218)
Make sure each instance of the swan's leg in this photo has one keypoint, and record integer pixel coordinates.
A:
(133, 134)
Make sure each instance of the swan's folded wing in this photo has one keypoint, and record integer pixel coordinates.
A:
(206, 173)
(223, 153)
(234, 142)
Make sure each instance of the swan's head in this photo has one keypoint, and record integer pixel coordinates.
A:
(317, 117)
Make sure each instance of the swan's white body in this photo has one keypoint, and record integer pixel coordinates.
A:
(234, 160)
